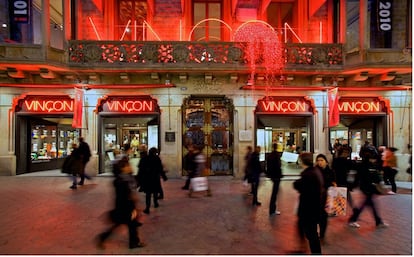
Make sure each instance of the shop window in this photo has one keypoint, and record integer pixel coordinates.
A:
(51, 141)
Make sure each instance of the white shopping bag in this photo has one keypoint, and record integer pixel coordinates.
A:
(199, 184)
(336, 201)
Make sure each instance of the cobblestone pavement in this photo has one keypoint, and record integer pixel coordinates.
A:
(41, 215)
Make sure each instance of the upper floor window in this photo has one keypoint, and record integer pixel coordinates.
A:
(205, 20)
(132, 15)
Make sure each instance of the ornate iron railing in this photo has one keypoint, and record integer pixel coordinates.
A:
(195, 53)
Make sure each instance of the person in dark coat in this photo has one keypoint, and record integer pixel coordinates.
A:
(329, 180)
(368, 174)
(310, 188)
(85, 153)
(125, 206)
(73, 165)
(150, 172)
(274, 172)
(190, 166)
(255, 171)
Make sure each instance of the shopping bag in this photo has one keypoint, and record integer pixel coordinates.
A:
(336, 201)
(199, 184)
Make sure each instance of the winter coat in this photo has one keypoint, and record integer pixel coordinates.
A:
(273, 166)
(124, 200)
(255, 168)
(310, 188)
(73, 163)
(149, 173)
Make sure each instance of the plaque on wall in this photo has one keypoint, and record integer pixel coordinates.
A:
(245, 135)
(169, 136)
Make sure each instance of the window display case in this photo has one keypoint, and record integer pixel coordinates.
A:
(51, 141)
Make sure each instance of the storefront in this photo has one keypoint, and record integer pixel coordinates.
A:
(208, 125)
(44, 133)
(362, 119)
(286, 121)
(126, 119)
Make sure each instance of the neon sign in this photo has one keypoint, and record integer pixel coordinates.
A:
(49, 106)
(40, 104)
(130, 106)
(284, 105)
(127, 104)
(355, 106)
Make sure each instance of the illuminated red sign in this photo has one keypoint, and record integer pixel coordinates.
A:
(361, 106)
(284, 105)
(44, 105)
(49, 106)
(128, 105)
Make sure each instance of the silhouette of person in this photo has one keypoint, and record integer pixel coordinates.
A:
(125, 206)
(310, 188)
(85, 153)
(150, 172)
(255, 171)
(274, 172)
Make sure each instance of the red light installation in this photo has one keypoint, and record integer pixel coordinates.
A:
(263, 46)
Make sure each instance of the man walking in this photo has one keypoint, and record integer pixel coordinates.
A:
(85, 153)
(274, 172)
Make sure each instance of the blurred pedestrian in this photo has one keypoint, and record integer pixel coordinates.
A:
(255, 172)
(189, 165)
(369, 175)
(125, 211)
(274, 172)
(310, 186)
(342, 163)
(410, 162)
(389, 167)
(149, 173)
(85, 153)
(73, 165)
(249, 151)
(328, 180)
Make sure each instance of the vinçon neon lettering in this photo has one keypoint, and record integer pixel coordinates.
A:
(49, 105)
(284, 106)
(358, 107)
(131, 106)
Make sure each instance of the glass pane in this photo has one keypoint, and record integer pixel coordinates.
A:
(56, 24)
(352, 30)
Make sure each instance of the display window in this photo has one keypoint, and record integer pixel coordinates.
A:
(51, 141)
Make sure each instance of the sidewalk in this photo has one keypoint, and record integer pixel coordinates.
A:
(41, 215)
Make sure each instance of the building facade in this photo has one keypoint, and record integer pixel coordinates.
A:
(222, 75)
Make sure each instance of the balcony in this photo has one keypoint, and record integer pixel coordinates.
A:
(18, 61)
(196, 55)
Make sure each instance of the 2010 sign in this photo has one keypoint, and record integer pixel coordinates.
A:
(385, 15)
(19, 10)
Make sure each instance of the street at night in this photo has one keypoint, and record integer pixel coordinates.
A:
(41, 215)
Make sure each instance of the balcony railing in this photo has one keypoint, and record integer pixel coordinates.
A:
(170, 54)
(195, 54)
